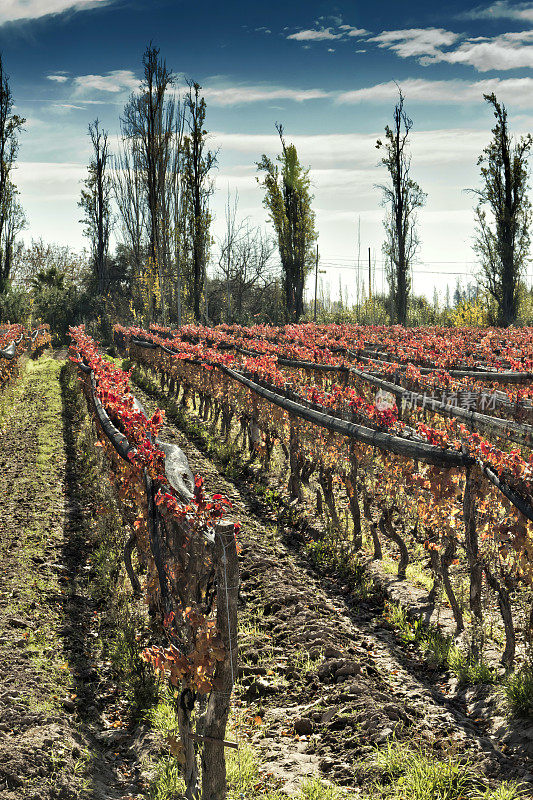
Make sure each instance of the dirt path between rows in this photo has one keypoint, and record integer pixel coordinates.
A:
(323, 677)
(57, 698)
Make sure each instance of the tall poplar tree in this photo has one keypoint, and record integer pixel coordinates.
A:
(197, 186)
(503, 215)
(402, 196)
(96, 203)
(288, 200)
(11, 214)
(148, 131)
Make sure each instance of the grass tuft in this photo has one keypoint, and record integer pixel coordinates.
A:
(438, 649)
(470, 671)
(518, 691)
(405, 773)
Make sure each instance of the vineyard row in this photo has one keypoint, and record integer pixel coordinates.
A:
(186, 547)
(437, 492)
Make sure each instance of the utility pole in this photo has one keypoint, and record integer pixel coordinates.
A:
(316, 278)
(369, 276)
(229, 298)
(322, 271)
(178, 290)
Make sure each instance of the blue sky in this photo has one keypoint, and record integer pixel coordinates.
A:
(327, 72)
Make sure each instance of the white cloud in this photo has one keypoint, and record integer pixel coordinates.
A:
(236, 95)
(349, 30)
(329, 151)
(507, 51)
(314, 35)
(57, 78)
(501, 9)
(434, 45)
(38, 178)
(62, 108)
(17, 10)
(416, 41)
(118, 80)
(326, 34)
(515, 91)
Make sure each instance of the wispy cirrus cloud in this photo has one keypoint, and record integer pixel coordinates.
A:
(216, 89)
(19, 10)
(501, 9)
(336, 150)
(65, 108)
(518, 91)
(114, 82)
(242, 93)
(58, 78)
(320, 33)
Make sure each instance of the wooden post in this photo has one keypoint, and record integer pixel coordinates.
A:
(351, 490)
(295, 486)
(190, 768)
(216, 718)
(474, 565)
(155, 544)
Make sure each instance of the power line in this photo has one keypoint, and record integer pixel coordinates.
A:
(415, 271)
(354, 265)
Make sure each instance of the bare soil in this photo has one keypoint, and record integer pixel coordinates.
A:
(324, 678)
(59, 702)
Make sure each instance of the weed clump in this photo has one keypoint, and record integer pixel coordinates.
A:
(518, 691)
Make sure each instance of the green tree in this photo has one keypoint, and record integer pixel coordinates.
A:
(402, 196)
(197, 164)
(96, 204)
(11, 214)
(56, 301)
(503, 215)
(288, 200)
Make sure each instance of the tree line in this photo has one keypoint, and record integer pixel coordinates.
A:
(154, 195)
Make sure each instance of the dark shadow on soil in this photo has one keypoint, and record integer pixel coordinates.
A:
(78, 631)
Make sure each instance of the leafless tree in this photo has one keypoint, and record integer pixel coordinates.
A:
(149, 121)
(244, 263)
(129, 197)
